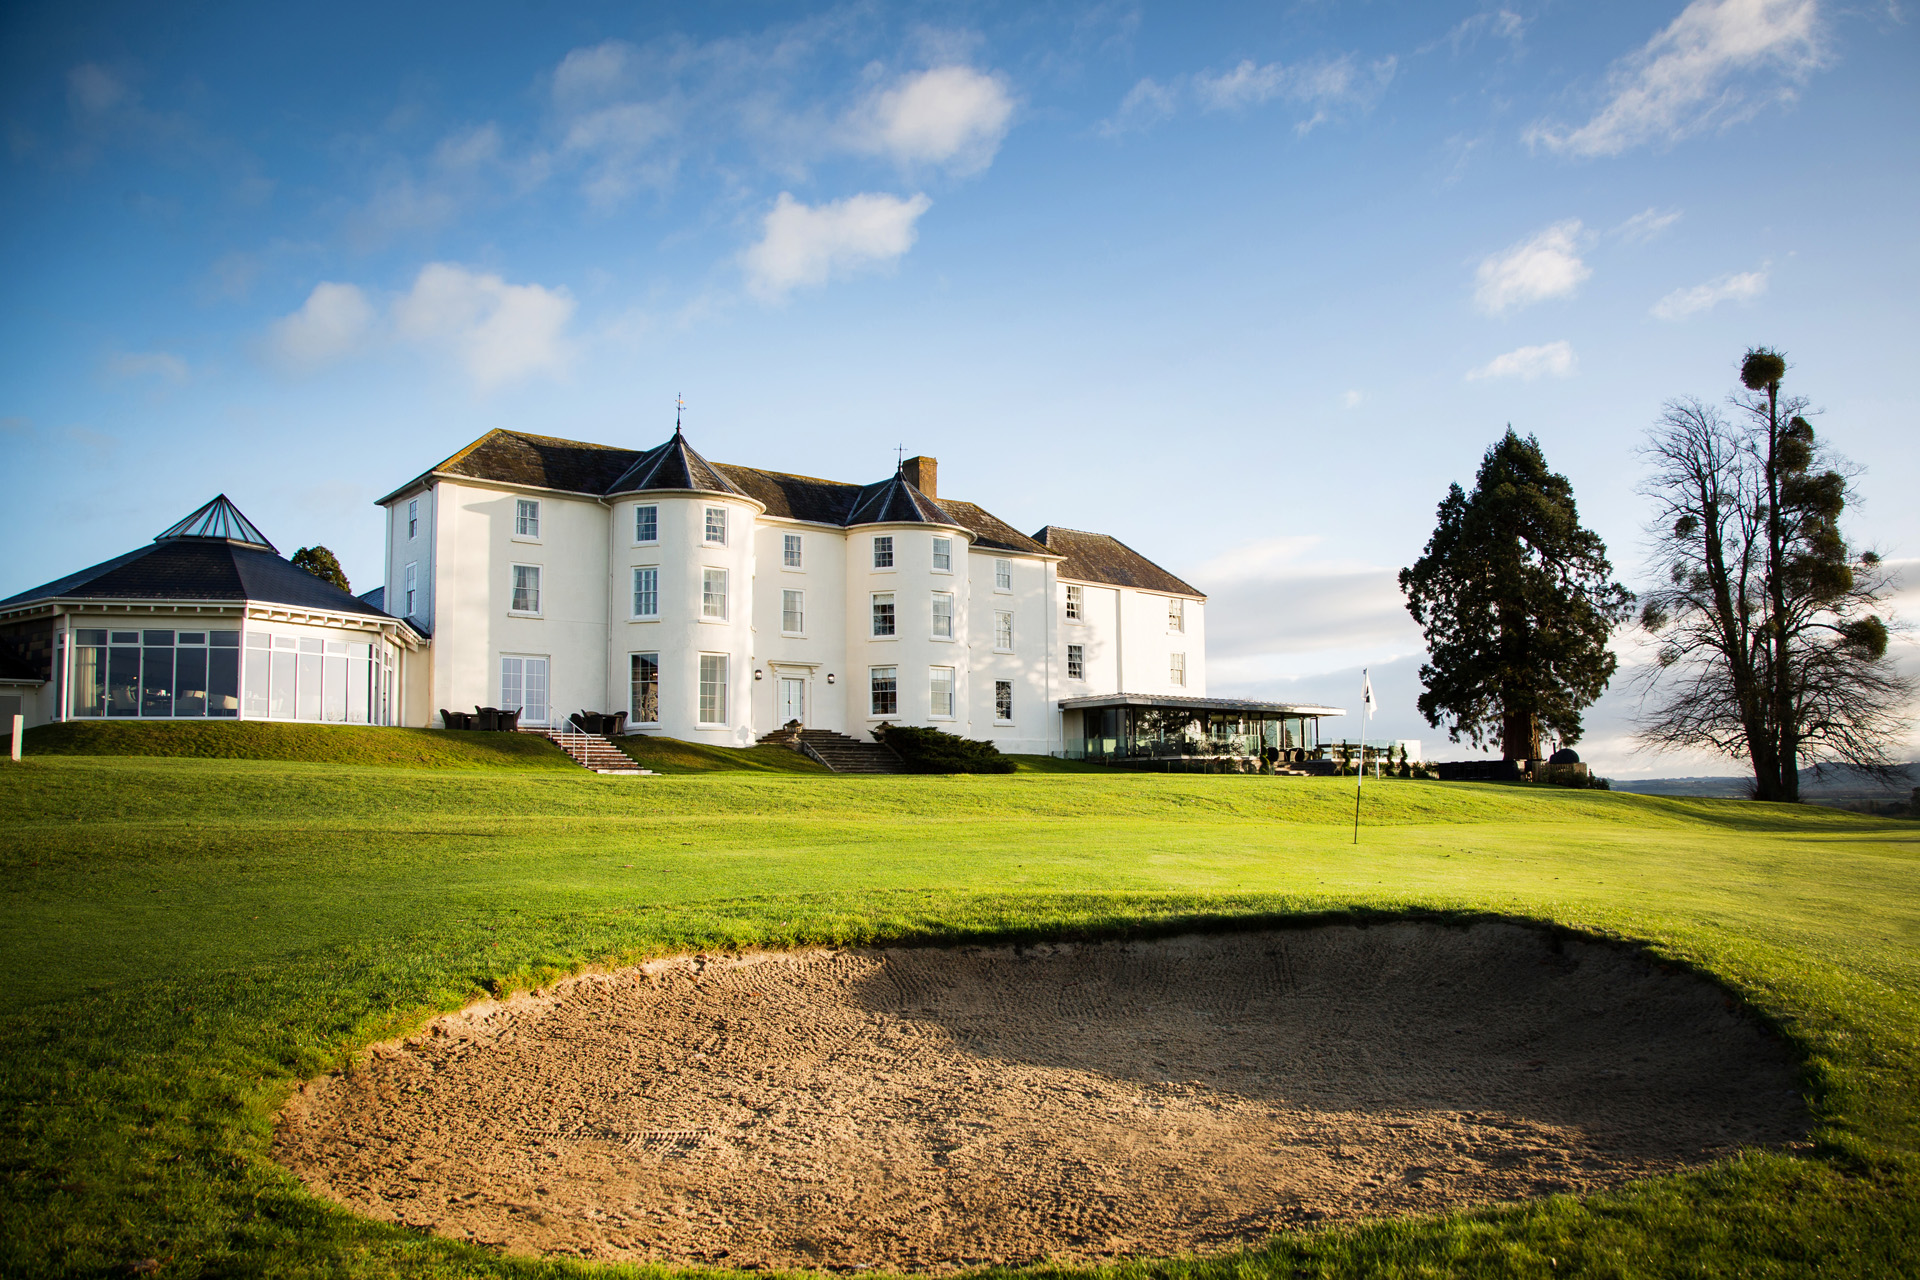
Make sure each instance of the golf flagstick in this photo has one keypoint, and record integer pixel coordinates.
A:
(1360, 762)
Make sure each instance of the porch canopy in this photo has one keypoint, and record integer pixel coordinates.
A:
(1148, 726)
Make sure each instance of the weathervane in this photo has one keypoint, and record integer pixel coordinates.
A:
(899, 458)
(679, 407)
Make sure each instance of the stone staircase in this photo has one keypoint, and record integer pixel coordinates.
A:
(591, 751)
(839, 752)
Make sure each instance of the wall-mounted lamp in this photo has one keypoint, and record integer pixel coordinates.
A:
(758, 674)
(829, 677)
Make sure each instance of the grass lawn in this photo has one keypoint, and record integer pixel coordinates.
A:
(185, 939)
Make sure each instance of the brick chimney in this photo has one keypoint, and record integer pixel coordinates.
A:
(923, 474)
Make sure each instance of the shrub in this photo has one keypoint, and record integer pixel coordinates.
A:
(931, 751)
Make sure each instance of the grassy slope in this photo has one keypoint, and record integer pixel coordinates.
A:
(184, 939)
(671, 755)
(308, 743)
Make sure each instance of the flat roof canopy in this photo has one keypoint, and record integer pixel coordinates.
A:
(1242, 706)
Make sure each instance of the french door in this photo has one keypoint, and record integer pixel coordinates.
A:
(523, 684)
(793, 700)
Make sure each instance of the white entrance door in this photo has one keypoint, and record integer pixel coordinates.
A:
(793, 700)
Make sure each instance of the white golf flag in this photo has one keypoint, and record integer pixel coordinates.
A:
(1370, 707)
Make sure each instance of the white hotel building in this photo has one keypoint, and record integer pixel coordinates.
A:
(717, 603)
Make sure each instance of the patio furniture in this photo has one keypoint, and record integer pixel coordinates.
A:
(616, 723)
(486, 717)
(510, 720)
(456, 719)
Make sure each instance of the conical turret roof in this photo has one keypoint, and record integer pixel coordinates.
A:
(218, 519)
(896, 501)
(673, 465)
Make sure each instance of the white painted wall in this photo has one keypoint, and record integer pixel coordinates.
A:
(586, 628)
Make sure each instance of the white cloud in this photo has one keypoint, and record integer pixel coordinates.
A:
(953, 116)
(1741, 287)
(147, 364)
(331, 324)
(1646, 225)
(804, 244)
(500, 332)
(92, 90)
(1323, 85)
(1687, 78)
(1146, 104)
(1353, 399)
(1544, 266)
(1553, 359)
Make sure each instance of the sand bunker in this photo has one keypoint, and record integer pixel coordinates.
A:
(931, 1109)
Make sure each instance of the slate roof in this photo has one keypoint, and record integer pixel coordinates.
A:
(1100, 557)
(990, 531)
(178, 566)
(673, 465)
(539, 462)
(546, 462)
(895, 501)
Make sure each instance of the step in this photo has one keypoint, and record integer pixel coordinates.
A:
(592, 751)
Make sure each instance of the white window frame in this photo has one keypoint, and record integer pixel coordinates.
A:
(707, 595)
(933, 692)
(792, 551)
(943, 551)
(1076, 602)
(797, 614)
(720, 700)
(526, 519)
(1076, 662)
(633, 712)
(1003, 575)
(1177, 669)
(883, 546)
(1176, 614)
(640, 614)
(638, 539)
(507, 702)
(874, 600)
(1000, 717)
(947, 635)
(413, 518)
(412, 587)
(873, 675)
(716, 521)
(513, 591)
(1003, 631)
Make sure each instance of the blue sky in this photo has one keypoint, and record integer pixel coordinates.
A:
(1246, 285)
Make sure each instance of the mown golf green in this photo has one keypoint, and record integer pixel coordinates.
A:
(186, 939)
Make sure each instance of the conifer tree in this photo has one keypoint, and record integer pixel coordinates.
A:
(1517, 601)
(322, 564)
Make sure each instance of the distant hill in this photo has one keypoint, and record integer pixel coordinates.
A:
(1840, 788)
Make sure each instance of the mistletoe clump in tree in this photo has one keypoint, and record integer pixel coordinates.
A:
(1517, 601)
(322, 564)
(1772, 644)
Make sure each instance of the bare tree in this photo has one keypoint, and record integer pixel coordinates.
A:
(1772, 644)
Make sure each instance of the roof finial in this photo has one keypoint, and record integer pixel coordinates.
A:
(899, 459)
(679, 407)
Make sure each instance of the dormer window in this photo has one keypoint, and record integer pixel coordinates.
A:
(717, 526)
(526, 518)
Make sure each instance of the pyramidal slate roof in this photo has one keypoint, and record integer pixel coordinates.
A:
(673, 465)
(896, 501)
(215, 554)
